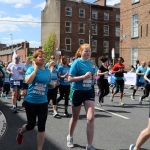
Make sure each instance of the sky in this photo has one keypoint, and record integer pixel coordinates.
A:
(20, 21)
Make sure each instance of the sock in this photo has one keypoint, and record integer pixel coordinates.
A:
(14, 106)
(134, 91)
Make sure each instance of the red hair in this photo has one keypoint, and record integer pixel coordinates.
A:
(37, 53)
(79, 51)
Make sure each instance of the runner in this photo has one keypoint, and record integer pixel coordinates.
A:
(52, 92)
(81, 77)
(38, 78)
(6, 83)
(25, 86)
(64, 87)
(103, 84)
(145, 134)
(140, 81)
(1, 81)
(16, 70)
(118, 70)
(147, 84)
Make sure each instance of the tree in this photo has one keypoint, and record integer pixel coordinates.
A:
(49, 45)
(29, 54)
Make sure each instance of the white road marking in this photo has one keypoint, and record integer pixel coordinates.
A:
(112, 113)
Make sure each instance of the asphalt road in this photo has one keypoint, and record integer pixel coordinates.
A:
(116, 127)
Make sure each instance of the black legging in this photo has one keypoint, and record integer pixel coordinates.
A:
(64, 92)
(104, 88)
(6, 88)
(146, 91)
(52, 94)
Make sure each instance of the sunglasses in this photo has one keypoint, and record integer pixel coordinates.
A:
(119, 60)
(52, 58)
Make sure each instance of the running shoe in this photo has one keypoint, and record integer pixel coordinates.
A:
(15, 110)
(99, 104)
(111, 98)
(66, 113)
(131, 147)
(140, 101)
(70, 142)
(132, 97)
(6, 97)
(2, 95)
(90, 147)
(55, 114)
(19, 137)
(121, 103)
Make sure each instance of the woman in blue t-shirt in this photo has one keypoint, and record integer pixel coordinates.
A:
(36, 104)
(64, 87)
(52, 92)
(80, 75)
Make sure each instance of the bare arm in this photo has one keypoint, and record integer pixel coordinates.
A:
(100, 73)
(145, 77)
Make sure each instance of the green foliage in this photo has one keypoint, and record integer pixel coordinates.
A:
(29, 54)
(31, 57)
(48, 46)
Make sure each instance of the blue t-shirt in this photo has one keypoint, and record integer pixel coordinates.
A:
(37, 90)
(79, 68)
(63, 70)
(54, 78)
(141, 69)
(147, 75)
(7, 77)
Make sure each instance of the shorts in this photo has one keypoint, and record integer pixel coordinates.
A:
(24, 86)
(119, 85)
(80, 96)
(15, 86)
(139, 84)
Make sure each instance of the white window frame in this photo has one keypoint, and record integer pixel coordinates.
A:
(106, 30)
(135, 23)
(106, 16)
(133, 59)
(70, 27)
(106, 47)
(79, 28)
(70, 11)
(81, 15)
(94, 14)
(66, 45)
(117, 47)
(94, 29)
(117, 30)
(94, 46)
(118, 17)
(135, 1)
(80, 43)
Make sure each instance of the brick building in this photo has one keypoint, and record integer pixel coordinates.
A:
(75, 22)
(134, 31)
(2, 45)
(6, 53)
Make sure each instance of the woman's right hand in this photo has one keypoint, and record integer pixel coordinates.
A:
(106, 72)
(87, 75)
(35, 66)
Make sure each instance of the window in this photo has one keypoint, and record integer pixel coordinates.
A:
(106, 16)
(81, 28)
(68, 25)
(135, 26)
(68, 44)
(94, 15)
(117, 17)
(147, 30)
(81, 41)
(135, 1)
(117, 47)
(117, 31)
(106, 47)
(68, 11)
(94, 29)
(106, 30)
(81, 13)
(94, 46)
(134, 56)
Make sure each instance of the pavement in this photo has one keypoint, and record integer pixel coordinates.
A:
(116, 127)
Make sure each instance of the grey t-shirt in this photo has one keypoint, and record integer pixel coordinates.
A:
(14, 68)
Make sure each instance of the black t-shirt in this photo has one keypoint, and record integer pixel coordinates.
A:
(103, 69)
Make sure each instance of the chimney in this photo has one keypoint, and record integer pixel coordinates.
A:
(100, 2)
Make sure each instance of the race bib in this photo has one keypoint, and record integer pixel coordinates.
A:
(39, 88)
(106, 76)
(6, 80)
(54, 82)
(16, 82)
(87, 82)
(65, 80)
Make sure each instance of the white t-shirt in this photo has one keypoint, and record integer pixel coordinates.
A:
(14, 68)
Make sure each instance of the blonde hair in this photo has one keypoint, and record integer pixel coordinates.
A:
(80, 49)
(50, 64)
